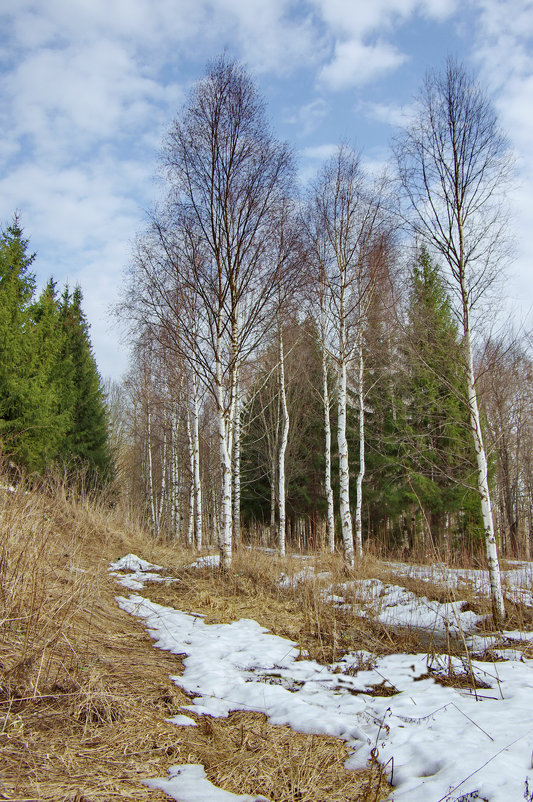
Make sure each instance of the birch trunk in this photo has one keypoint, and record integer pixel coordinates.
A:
(498, 607)
(162, 496)
(237, 468)
(282, 449)
(175, 477)
(344, 474)
(273, 499)
(196, 466)
(153, 510)
(330, 515)
(225, 541)
(361, 472)
(190, 522)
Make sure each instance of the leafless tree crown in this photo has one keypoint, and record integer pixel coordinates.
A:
(454, 168)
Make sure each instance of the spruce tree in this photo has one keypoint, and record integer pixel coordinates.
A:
(86, 440)
(436, 456)
(51, 397)
(51, 373)
(17, 404)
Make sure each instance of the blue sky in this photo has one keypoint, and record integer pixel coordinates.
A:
(89, 88)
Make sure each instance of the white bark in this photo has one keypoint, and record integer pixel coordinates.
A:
(237, 468)
(196, 466)
(330, 514)
(153, 510)
(226, 524)
(190, 522)
(344, 473)
(273, 497)
(361, 472)
(498, 607)
(175, 509)
(282, 449)
(163, 493)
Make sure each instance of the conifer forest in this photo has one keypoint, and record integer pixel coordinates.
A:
(52, 407)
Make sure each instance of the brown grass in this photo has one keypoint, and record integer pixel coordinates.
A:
(84, 695)
(325, 632)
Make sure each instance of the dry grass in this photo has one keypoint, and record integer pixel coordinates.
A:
(84, 695)
(326, 632)
(72, 709)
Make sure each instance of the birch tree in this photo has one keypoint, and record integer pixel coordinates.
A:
(319, 300)
(206, 269)
(345, 218)
(330, 504)
(227, 176)
(454, 166)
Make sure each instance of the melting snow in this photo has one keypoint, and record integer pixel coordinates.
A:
(189, 784)
(133, 563)
(210, 561)
(140, 570)
(439, 743)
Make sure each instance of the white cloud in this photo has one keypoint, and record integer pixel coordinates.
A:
(88, 92)
(270, 37)
(503, 51)
(360, 51)
(440, 10)
(363, 18)
(320, 152)
(309, 116)
(388, 113)
(355, 63)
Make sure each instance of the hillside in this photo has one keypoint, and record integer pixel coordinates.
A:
(85, 698)
(291, 680)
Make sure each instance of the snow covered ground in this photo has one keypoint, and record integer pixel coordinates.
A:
(517, 581)
(140, 572)
(439, 743)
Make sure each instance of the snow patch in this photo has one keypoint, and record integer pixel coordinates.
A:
(210, 561)
(140, 570)
(190, 784)
(182, 721)
(133, 563)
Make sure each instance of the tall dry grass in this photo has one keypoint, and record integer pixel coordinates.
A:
(42, 586)
(63, 670)
(84, 696)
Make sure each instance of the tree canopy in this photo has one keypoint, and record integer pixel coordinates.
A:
(51, 397)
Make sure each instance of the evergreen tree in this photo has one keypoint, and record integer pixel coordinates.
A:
(51, 398)
(17, 404)
(436, 458)
(87, 438)
(420, 462)
(385, 421)
(52, 377)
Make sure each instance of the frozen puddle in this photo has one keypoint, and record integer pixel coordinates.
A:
(440, 743)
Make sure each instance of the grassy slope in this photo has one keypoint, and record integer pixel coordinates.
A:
(84, 695)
